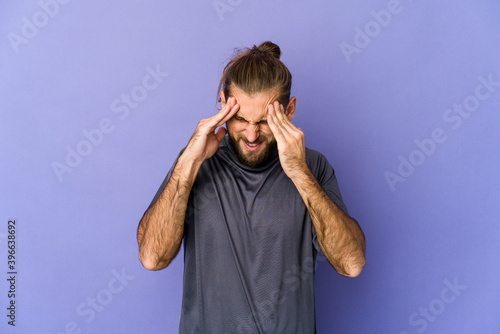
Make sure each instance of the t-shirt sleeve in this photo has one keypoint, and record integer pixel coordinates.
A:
(165, 181)
(325, 174)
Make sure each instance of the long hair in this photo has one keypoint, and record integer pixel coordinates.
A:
(255, 70)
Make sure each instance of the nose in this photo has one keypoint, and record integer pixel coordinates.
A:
(252, 132)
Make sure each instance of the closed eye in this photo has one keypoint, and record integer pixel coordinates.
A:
(241, 119)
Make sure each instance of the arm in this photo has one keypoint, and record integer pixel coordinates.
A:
(161, 229)
(340, 237)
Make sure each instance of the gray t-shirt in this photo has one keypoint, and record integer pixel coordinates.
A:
(250, 247)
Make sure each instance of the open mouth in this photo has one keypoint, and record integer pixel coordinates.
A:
(252, 147)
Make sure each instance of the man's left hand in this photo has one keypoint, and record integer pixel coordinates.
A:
(290, 139)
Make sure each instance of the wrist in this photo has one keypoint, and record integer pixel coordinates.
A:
(188, 167)
(300, 173)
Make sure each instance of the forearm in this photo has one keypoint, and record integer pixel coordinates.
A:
(339, 236)
(161, 228)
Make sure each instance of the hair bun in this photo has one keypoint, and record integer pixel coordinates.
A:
(269, 48)
(256, 69)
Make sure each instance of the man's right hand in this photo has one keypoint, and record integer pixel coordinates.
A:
(205, 141)
(161, 229)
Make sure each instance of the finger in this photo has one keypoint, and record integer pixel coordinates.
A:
(285, 122)
(221, 132)
(278, 111)
(279, 119)
(222, 116)
(230, 114)
(273, 125)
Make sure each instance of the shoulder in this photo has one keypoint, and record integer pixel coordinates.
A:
(325, 174)
(314, 155)
(316, 159)
(319, 165)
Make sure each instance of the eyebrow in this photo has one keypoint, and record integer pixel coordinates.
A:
(263, 120)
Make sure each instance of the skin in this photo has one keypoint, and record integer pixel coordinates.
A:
(250, 127)
(340, 237)
(160, 230)
(256, 123)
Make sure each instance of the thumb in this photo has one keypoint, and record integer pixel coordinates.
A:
(221, 132)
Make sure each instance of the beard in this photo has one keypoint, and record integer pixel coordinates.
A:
(257, 158)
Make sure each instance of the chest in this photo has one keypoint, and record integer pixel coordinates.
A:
(250, 208)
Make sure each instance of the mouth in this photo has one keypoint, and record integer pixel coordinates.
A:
(252, 147)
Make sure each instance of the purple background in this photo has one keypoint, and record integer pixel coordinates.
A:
(64, 70)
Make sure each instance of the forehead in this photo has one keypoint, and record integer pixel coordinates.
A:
(254, 107)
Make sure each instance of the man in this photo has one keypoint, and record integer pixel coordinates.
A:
(253, 208)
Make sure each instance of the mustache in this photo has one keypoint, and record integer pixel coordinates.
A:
(256, 142)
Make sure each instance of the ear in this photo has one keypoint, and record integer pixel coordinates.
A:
(290, 108)
(222, 99)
